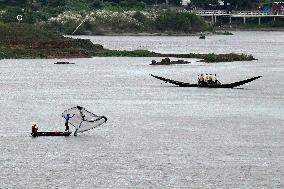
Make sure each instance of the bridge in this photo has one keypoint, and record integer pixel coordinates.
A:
(237, 14)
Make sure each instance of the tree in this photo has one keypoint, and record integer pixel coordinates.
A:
(240, 4)
(53, 3)
(204, 3)
(11, 14)
(175, 2)
(18, 3)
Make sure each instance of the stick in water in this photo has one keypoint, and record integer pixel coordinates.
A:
(80, 24)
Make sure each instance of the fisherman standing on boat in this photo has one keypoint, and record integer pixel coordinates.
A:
(34, 128)
(67, 117)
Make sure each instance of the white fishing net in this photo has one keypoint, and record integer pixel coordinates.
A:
(82, 119)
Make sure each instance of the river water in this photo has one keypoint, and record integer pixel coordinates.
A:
(157, 135)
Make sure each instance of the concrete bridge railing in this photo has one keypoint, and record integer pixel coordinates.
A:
(236, 14)
(209, 12)
(224, 12)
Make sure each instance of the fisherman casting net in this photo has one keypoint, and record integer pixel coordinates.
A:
(82, 119)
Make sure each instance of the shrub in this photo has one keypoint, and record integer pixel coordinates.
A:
(179, 22)
(20, 32)
(107, 21)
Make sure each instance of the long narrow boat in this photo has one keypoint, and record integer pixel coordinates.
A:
(51, 134)
(183, 84)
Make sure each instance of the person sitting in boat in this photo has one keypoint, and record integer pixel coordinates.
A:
(201, 79)
(215, 80)
(205, 78)
(34, 128)
(209, 79)
(202, 36)
(67, 117)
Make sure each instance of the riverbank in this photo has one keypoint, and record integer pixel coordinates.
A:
(250, 27)
(29, 53)
(217, 32)
(253, 29)
(29, 41)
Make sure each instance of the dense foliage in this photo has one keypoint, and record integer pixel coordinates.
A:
(116, 16)
(102, 17)
(10, 33)
(107, 21)
(59, 6)
(82, 4)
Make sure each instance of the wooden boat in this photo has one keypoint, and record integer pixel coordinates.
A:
(183, 84)
(202, 37)
(64, 63)
(55, 133)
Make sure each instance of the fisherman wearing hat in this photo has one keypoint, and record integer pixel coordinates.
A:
(34, 128)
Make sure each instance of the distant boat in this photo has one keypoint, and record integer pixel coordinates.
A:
(202, 37)
(64, 63)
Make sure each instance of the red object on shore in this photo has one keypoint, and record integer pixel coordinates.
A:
(277, 7)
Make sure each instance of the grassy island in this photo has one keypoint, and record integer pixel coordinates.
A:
(29, 41)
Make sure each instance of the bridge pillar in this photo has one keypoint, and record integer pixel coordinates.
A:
(230, 20)
(259, 21)
(244, 20)
(215, 19)
(212, 19)
(274, 19)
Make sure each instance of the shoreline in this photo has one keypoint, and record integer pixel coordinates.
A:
(249, 29)
(216, 32)
(140, 34)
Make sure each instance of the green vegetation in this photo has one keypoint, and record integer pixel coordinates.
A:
(179, 21)
(223, 33)
(29, 41)
(103, 17)
(57, 5)
(123, 53)
(231, 57)
(119, 16)
(22, 52)
(19, 33)
(209, 58)
(33, 42)
(108, 22)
